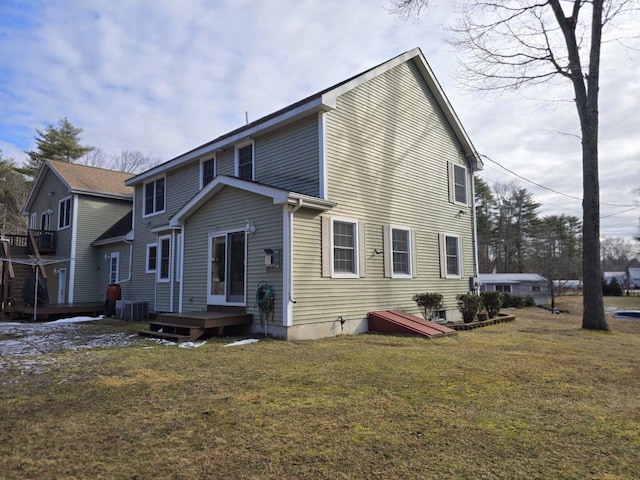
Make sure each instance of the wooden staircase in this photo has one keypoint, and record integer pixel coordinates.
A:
(190, 326)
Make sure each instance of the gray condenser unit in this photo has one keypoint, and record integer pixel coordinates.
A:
(135, 311)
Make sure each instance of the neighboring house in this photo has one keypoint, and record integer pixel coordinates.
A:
(69, 207)
(522, 284)
(351, 200)
(633, 277)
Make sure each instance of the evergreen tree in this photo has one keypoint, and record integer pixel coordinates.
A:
(61, 143)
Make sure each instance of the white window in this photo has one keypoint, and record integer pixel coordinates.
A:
(344, 248)
(458, 184)
(114, 267)
(503, 288)
(244, 162)
(45, 220)
(207, 171)
(164, 259)
(64, 213)
(400, 252)
(154, 197)
(33, 221)
(536, 288)
(450, 256)
(152, 258)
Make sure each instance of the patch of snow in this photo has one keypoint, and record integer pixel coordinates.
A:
(242, 342)
(191, 344)
(74, 320)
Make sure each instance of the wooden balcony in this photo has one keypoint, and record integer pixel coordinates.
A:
(45, 241)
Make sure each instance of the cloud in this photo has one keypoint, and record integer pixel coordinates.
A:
(163, 77)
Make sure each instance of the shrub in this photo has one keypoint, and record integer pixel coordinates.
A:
(529, 301)
(611, 289)
(429, 303)
(512, 301)
(469, 306)
(492, 302)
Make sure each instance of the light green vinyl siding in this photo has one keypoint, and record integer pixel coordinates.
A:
(104, 271)
(95, 216)
(288, 158)
(226, 212)
(388, 144)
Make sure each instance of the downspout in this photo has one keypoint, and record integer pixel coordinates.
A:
(130, 259)
(289, 298)
(475, 226)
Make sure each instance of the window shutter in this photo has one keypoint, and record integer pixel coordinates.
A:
(461, 256)
(414, 256)
(326, 246)
(362, 250)
(450, 182)
(443, 256)
(386, 231)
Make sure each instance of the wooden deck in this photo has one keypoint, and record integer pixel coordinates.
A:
(61, 310)
(190, 326)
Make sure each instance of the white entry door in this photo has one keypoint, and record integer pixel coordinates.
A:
(62, 285)
(226, 272)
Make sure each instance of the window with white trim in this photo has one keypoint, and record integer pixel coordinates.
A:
(164, 259)
(152, 258)
(452, 254)
(207, 171)
(64, 213)
(33, 221)
(244, 162)
(45, 220)
(154, 196)
(178, 257)
(345, 248)
(114, 267)
(459, 184)
(502, 288)
(400, 252)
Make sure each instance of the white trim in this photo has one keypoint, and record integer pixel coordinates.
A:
(181, 288)
(72, 206)
(458, 254)
(144, 196)
(223, 299)
(410, 250)
(179, 256)
(356, 249)
(323, 188)
(203, 160)
(147, 256)
(74, 247)
(115, 255)
(160, 279)
(33, 221)
(466, 184)
(64, 291)
(236, 159)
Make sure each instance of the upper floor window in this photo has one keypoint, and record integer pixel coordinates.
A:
(401, 252)
(154, 196)
(45, 220)
(459, 186)
(64, 213)
(207, 171)
(244, 162)
(33, 221)
(345, 248)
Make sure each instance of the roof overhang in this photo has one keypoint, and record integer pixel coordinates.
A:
(278, 195)
(110, 241)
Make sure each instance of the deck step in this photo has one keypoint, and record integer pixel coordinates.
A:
(190, 326)
(173, 337)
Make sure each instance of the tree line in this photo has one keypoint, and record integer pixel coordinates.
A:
(61, 143)
(514, 238)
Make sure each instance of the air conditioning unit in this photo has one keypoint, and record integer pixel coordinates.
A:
(119, 313)
(135, 311)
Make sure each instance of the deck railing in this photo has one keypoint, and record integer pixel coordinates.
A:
(45, 241)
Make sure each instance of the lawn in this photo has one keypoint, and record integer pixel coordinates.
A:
(537, 398)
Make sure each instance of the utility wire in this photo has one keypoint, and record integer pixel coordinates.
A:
(551, 189)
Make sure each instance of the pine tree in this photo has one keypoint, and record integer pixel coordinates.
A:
(61, 143)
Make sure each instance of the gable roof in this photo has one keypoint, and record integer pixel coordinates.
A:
(118, 232)
(85, 180)
(324, 101)
(278, 195)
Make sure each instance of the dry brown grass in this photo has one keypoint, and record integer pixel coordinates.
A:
(537, 398)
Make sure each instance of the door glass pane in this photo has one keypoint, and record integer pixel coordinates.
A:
(236, 267)
(218, 265)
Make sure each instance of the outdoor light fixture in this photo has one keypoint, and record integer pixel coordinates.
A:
(107, 257)
(249, 227)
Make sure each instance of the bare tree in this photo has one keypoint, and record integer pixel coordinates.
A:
(129, 161)
(515, 43)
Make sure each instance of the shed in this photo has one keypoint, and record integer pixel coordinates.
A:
(522, 284)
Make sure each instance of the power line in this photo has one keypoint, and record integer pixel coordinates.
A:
(551, 189)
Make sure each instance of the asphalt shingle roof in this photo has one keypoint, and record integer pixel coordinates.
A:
(82, 178)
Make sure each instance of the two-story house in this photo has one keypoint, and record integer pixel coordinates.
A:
(351, 200)
(68, 208)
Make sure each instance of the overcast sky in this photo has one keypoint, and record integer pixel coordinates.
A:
(164, 76)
